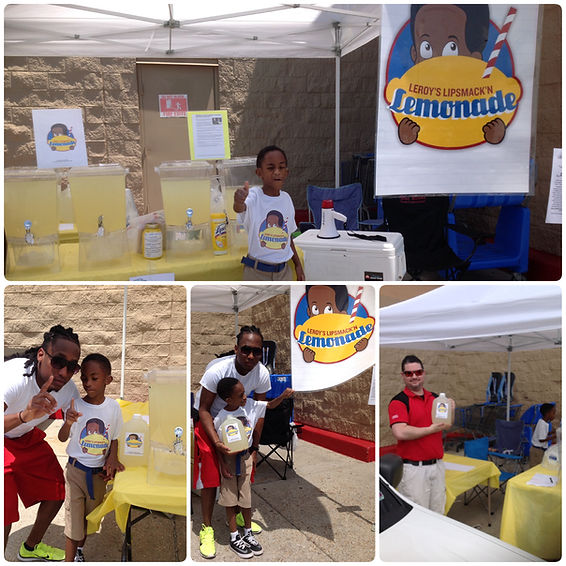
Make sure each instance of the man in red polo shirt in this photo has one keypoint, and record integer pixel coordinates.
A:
(419, 442)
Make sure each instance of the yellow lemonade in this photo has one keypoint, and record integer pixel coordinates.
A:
(33, 199)
(182, 193)
(97, 195)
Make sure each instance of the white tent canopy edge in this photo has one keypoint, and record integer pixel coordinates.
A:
(483, 318)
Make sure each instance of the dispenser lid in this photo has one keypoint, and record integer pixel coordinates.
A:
(327, 204)
(185, 169)
(26, 173)
(96, 170)
(237, 162)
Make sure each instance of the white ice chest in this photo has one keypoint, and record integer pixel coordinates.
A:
(348, 258)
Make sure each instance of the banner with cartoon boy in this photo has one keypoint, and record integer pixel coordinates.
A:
(332, 334)
(455, 103)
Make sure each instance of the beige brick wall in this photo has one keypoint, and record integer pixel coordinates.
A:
(156, 325)
(464, 377)
(342, 409)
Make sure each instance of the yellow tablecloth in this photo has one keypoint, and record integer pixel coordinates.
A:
(130, 487)
(458, 482)
(532, 516)
(200, 266)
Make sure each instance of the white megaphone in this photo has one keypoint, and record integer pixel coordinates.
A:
(327, 225)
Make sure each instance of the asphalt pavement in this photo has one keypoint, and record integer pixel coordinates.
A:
(323, 512)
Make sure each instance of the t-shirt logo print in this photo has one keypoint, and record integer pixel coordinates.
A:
(273, 232)
(94, 438)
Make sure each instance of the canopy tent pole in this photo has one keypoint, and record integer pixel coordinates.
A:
(123, 362)
(338, 52)
(236, 310)
(509, 352)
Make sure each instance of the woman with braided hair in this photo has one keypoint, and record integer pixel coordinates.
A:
(36, 385)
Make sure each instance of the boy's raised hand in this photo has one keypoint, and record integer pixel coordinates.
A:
(41, 404)
(72, 416)
(240, 196)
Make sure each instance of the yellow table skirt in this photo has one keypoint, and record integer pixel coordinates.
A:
(131, 488)
(458, 482)
(200, 266)
(532, 516)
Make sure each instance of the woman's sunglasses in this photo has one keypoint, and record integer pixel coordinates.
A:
(417, 372)
(59, 362)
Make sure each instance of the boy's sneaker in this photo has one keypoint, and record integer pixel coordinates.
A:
(255, 547)
(79, 556)
(207, 546)
(241, 548)
(41, 553)
(256, 529)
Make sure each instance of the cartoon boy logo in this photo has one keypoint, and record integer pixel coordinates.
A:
(273, 233)
(447, 91)
(324, 300)
(61, 138)
(133, 440)
(94, 438)
(246, 425)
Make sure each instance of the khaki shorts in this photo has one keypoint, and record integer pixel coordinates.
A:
(78, 503)
(237, 490)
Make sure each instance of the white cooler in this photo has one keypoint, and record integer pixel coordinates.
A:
(348, 258)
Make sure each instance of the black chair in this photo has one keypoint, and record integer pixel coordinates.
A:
(422, 221)
(278, 435)
(268, 357)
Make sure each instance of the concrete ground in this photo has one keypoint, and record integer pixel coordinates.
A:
(156, 538)
(323, 512)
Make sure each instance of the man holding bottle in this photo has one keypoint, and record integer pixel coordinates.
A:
(419, 441)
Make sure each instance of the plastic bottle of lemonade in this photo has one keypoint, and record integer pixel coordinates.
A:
(218, 219)
(234, 435)
(442, 411)
(133, 447)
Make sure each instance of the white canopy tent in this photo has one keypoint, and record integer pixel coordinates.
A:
(232, 298)
(484, 318)
(192, 30)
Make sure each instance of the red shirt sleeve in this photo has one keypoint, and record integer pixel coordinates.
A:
(398, 412)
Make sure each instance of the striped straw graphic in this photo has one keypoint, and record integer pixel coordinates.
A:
(356, 304)
(499, 42)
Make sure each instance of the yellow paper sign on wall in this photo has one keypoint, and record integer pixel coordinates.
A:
(208, 134)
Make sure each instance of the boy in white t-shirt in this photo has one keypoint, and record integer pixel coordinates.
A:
(541, 434)
(237, 469)
(268, 216)
(93, 424)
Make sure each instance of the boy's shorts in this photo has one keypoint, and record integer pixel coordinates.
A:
(205, 467)
(237, 490)
(78, 503)
(31, 470)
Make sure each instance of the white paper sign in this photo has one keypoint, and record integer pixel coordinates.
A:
(332, 334)
(554, 208)
(59, 138)
(454, 115)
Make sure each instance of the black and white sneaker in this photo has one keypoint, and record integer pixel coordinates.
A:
(251, 541)
(241, 548)
(79, 556)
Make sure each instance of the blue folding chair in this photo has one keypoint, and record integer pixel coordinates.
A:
(509, 453)
(347, 200)
(510, 246)
(478, 449)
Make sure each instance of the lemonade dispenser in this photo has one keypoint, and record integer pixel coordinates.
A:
(185, 189)
(236, 172)
(168, 426)
(31, 219)
(99, 208)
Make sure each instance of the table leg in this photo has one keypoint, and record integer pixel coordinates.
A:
(489, 502)
(127, 546)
